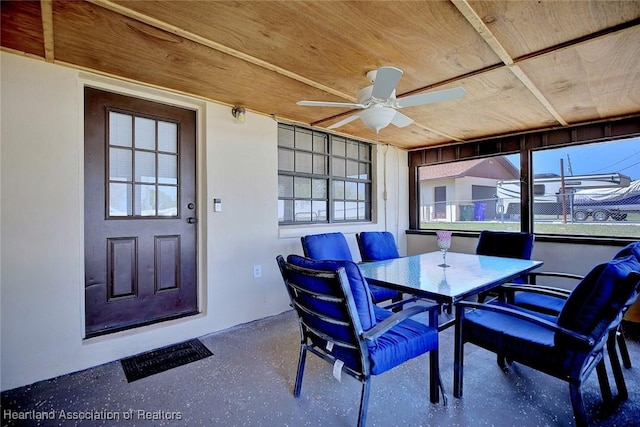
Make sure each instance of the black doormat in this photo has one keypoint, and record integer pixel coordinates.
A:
(162, 359)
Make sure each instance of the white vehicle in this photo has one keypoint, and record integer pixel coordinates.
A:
(605, 203)
(547, 192)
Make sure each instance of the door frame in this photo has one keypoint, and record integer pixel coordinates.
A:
(165, 97)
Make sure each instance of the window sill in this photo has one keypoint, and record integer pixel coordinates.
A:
(297, 231)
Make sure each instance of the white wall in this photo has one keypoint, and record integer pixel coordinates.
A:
(41, 223)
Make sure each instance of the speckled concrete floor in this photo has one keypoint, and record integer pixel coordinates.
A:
(249, 381)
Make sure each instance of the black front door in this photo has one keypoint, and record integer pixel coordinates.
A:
(140, 232)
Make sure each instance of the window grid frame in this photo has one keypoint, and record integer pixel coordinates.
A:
(133, 182)
(364, 157)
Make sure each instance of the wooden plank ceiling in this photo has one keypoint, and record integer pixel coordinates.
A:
(525, 65)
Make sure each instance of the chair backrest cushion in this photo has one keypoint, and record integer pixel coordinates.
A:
(506, 244)
(358, 284)
(630, 249)
(332, 246)
(599, 297)
(377, 246)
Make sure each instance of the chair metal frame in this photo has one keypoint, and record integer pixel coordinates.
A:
(589, 349)
(359, 339)
(616, 336)
(396, 300)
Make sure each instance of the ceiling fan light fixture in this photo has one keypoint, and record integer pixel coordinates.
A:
(377, 117)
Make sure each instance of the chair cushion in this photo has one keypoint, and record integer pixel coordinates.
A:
(326, 246)
(598, 298)
(518, 339)
(542, 303)
(403, 342)
(357, 282)
(379, 293)
(377, 246)
(505, 243)
(630, 249)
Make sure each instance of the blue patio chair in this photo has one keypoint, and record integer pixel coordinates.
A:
(551, 299)
(553, 302)
(334, 246)
(508, 244)
(380, 246)
(377, 246)
(568, 347)
(340, 324)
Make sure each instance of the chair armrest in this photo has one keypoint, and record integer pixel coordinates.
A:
(589, 341)
(538, 289)
(396, 318)
(557, 274)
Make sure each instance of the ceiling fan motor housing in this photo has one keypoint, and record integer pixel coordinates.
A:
(365, 98)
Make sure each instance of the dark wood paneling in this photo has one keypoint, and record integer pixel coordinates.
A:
(122, 267)
(167, 265)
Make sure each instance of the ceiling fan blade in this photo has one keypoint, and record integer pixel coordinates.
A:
(385, 83)
(400, 120)
(329, 104)
(431, 97)
(344, 121)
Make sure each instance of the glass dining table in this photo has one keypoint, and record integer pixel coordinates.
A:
(465, 276)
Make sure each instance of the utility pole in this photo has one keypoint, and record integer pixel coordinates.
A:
(569, 169)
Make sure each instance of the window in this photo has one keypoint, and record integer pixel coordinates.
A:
(588, 190)
(143, 166)
(322, 178)
(463, 195)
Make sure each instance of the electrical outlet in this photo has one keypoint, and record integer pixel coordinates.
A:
(257, 271)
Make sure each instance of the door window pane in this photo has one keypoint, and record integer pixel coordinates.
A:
(168, 137)
(120, 129)
(167, 169)
(145, 167)
(120, 164)
(145, 133)
(167, 200)
(145, 200)
(120, 200)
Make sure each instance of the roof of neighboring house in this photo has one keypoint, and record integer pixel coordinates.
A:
(495, 167)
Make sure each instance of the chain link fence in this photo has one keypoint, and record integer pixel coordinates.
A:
(572, 208)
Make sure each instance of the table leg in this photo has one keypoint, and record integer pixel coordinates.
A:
(458, 355)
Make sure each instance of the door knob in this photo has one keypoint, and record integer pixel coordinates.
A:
(191, 220)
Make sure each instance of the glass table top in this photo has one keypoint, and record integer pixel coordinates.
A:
(467, 274)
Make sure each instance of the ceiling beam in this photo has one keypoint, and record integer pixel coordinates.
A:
(481, 28)
(181, 32)
(46, 11)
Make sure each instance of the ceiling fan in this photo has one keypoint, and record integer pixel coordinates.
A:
(379, 102)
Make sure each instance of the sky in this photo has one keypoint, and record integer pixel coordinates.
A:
(615, 156)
